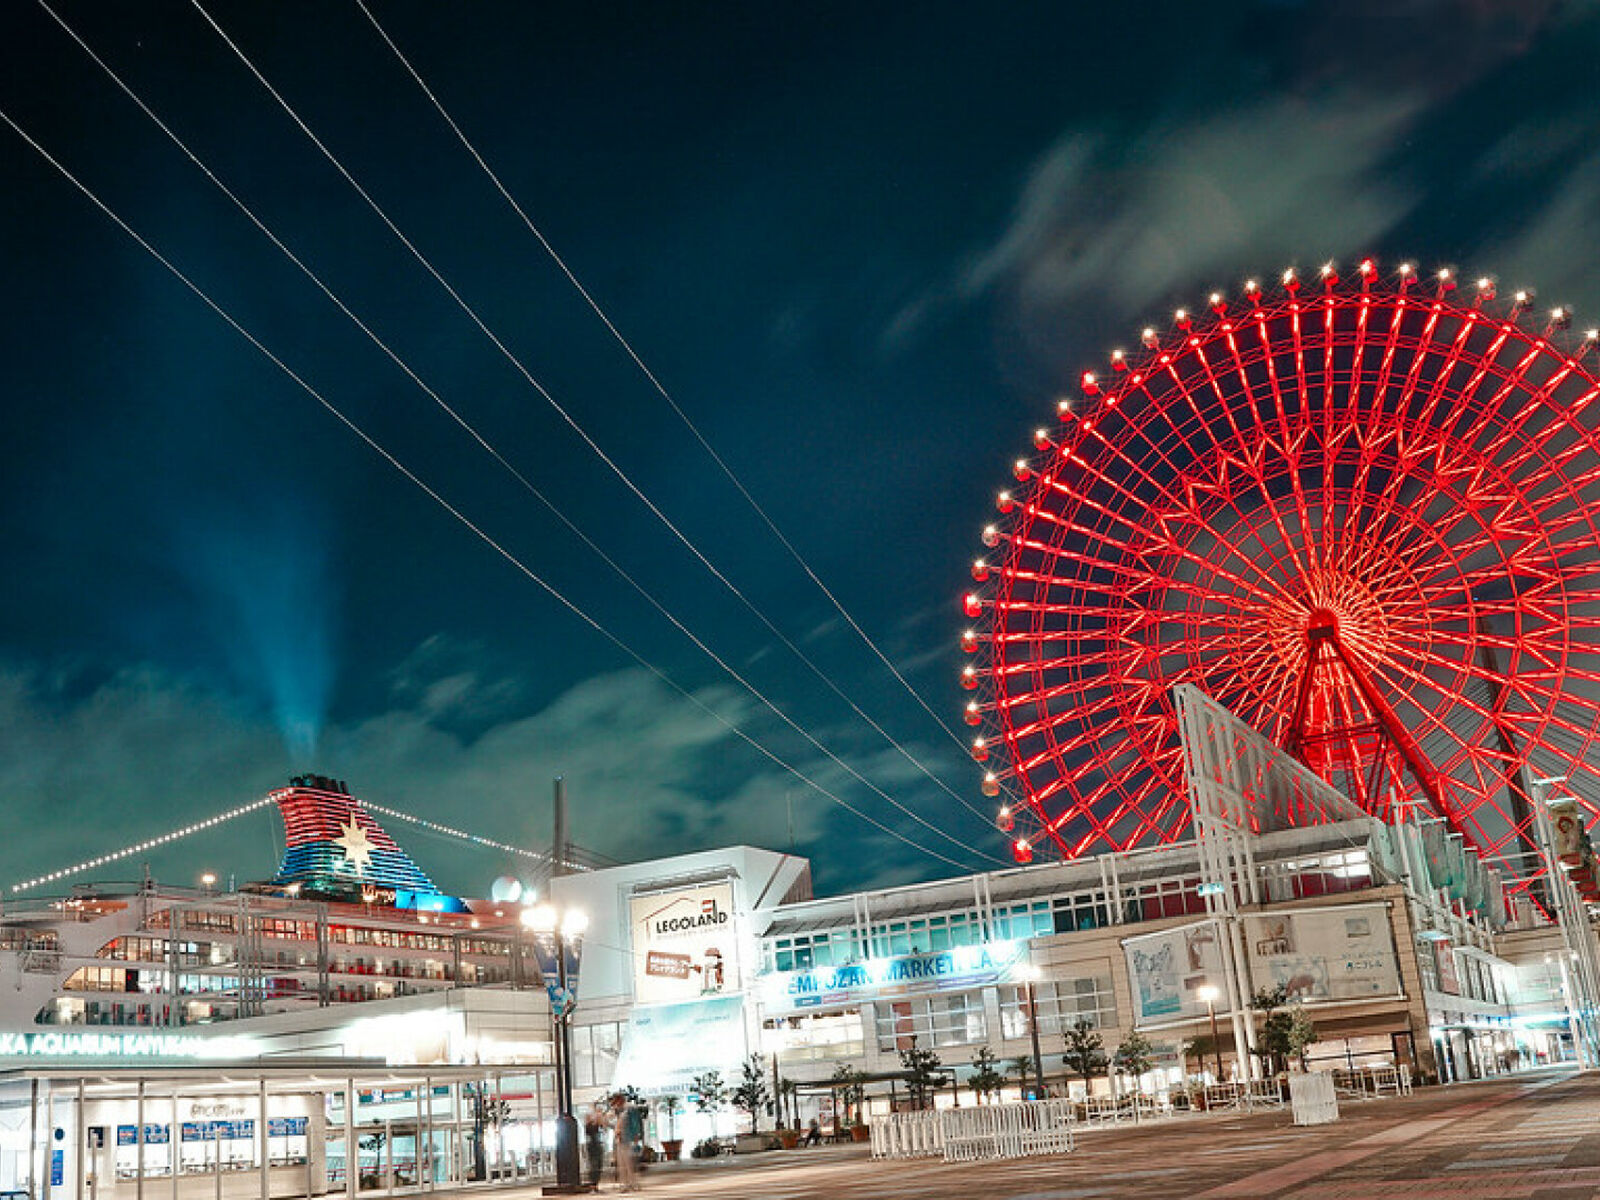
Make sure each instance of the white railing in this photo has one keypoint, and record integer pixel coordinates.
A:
(976, 1134)
(1007, 1130)
(1368, 1083)
(907, 1135)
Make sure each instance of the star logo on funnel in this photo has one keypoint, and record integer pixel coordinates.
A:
(357, 849)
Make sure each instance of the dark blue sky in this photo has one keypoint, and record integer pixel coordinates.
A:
(864, 247)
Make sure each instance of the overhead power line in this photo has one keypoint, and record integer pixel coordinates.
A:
(550, 505)
(555, 593)
(660, 388)
(622, 476)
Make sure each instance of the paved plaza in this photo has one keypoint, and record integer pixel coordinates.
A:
(1528, 1137)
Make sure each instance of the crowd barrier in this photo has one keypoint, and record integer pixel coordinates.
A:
(1046, 1126)
(988, 1131)
(1369, 1083)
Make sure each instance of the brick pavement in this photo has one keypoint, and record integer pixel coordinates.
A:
(1523, 1138)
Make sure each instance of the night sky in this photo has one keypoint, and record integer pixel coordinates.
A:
(863, 247)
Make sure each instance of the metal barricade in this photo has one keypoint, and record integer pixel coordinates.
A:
(975, 1134)
(906, 1135)
(1369, 1083)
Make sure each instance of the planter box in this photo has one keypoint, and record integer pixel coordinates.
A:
(750, 1143)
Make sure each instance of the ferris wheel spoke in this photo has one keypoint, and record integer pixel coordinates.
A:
(1296, 560)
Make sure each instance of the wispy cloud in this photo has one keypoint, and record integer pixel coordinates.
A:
(1132, 219)
(648, 774)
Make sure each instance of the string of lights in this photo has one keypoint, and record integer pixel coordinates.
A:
(450, 831)
(126, 852)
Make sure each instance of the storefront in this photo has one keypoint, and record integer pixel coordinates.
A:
(243, 1130)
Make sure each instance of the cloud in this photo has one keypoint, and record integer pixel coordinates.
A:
(116, 760)
(1130, 220)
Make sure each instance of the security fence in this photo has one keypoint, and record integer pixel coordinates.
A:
(1369, 1083)
(972, 1134)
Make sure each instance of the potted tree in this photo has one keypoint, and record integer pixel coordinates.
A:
(850, 1086)
(1134, 1057)
(788, 1114)
(987, 1079)
(709, 1093)
(1086, 1052)
(672, 1144)
(751, 1094)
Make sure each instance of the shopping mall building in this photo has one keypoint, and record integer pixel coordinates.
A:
(346, 1027)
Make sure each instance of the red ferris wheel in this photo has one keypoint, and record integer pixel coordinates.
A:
(1363, 515)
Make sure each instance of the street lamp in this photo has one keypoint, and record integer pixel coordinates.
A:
(553, 931)
(1030, 975)
(1209, 994)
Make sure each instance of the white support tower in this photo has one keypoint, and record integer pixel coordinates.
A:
(1240, 786)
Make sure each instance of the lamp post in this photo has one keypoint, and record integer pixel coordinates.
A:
(553, 931)
(1209, 994)
(1030, 975)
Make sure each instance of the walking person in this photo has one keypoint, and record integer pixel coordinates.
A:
(594, 1140)
(629, 1132)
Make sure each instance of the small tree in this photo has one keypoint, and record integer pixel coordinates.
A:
(986, 1078)
(709, 1091)
(1020, 1070)
(1302, 1033)
(922, 1072)
(1285, 1032)
(751, 1093)
(1086, 1051)
(1135, 1056)
(788, 1109)
(669, 1107)
(849, 1087)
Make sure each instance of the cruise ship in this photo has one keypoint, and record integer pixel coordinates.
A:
(349, 918)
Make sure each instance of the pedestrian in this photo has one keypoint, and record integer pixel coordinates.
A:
(594, 1140)
(814, 1133)
(629, 1130)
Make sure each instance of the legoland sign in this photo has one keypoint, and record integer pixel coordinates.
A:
(881, 978)
(684, 944)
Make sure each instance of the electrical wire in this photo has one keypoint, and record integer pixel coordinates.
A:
(656, 383)
(490, 449)
(572, 422)
(554, 593)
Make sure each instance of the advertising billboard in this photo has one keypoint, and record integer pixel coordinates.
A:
(684, 945)
(1322, 954)
(1169, 969)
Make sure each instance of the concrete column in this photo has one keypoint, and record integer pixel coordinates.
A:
(49, 1138)
(262, 1142)
(138, 1141)
(83, 1141)
(425, 1136)
(175, 1143)
(352, 1163)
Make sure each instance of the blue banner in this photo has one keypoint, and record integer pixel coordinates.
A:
(154, 1135)
(948, 970)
